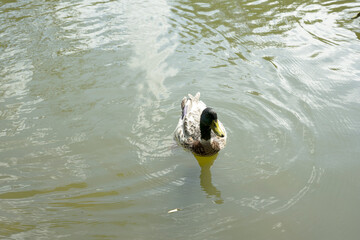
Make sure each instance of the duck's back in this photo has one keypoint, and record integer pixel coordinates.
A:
(189, 122)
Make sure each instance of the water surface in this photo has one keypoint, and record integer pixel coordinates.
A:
(90, 94)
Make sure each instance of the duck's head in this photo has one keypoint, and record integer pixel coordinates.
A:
(208, 122)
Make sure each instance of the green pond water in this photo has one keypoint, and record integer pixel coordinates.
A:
(90, 95)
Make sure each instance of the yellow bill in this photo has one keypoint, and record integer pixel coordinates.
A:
(217, 130)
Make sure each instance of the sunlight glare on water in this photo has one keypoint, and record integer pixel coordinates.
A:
(90, 95)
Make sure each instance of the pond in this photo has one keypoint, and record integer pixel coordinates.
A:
(90, 95)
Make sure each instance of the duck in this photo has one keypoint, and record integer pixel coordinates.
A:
(199, 130)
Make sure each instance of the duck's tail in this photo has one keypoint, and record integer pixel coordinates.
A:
(196, 98)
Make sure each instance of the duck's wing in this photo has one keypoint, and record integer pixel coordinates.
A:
(192, 112)
(188, 128)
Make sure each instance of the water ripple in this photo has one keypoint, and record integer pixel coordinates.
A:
(90, 95)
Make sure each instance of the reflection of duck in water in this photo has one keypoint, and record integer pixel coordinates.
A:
(193, 131)
(205, 178)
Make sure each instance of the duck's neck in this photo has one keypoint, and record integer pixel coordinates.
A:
(205, 132)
